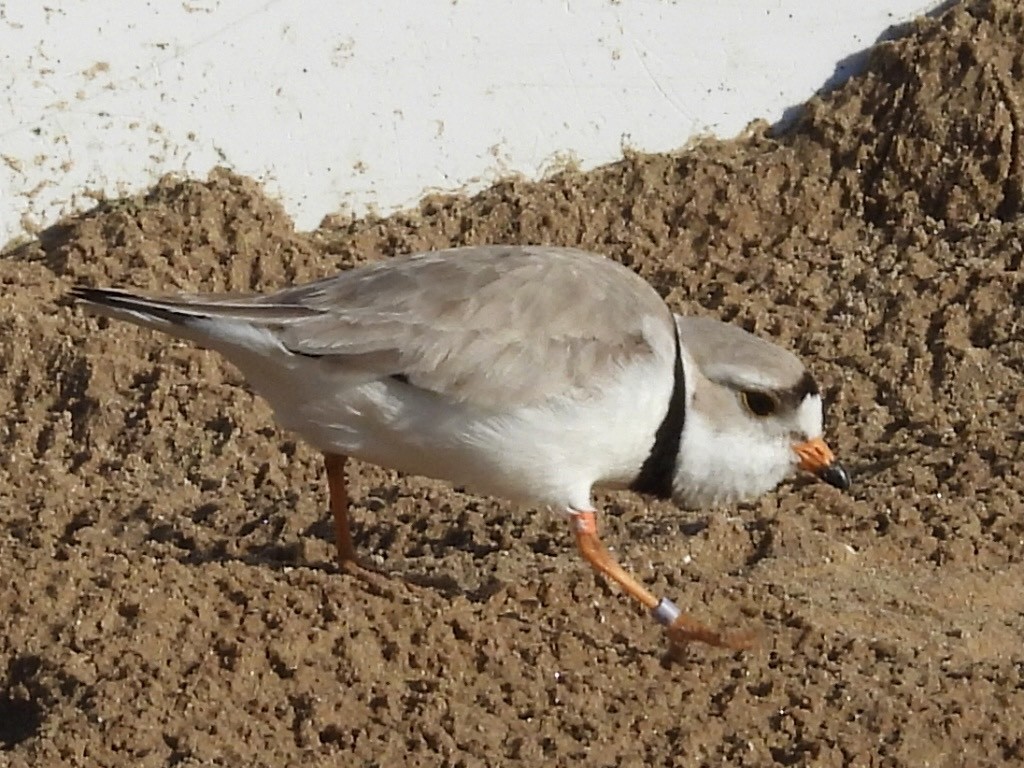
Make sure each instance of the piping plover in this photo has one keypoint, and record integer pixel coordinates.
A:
(530, 373)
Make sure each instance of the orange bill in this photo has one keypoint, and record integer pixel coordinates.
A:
(817, 457)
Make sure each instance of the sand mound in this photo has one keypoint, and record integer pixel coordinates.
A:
(169, 598)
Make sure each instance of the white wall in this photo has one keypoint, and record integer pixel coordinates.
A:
(338, 103)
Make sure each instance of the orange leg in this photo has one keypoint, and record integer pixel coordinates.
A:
(338, 487)
(680, 627)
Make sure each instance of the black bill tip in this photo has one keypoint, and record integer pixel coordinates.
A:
(835, 474)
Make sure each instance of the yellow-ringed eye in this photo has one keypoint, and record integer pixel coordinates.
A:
(759, 403)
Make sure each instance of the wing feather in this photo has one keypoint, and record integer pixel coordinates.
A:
(495, 325)
(490, 325)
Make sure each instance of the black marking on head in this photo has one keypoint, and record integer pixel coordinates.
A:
(791, 398)
(400, 377)
(806, 386)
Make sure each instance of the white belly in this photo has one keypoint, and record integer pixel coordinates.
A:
(551, 453)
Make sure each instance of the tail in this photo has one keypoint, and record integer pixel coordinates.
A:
(220, 322)
(155, 312)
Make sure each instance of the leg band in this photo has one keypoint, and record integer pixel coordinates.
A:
(666, 612)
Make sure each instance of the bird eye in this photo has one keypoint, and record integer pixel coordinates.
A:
(759, 403)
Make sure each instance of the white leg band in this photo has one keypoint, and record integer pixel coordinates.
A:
(666, 612)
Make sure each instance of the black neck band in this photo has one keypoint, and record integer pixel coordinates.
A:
(658, 470)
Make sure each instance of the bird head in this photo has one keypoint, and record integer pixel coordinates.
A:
(753, 417)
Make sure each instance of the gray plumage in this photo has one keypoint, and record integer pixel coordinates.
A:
(493, 325)
(531, 372)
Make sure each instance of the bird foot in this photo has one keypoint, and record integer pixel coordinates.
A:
(377, 581)
(687, 630)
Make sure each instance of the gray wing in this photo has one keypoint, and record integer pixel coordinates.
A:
(490, 325)
(497, 325)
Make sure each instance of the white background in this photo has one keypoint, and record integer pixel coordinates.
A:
(355, 105)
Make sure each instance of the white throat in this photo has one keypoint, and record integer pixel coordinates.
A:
(720, 467)
(722, 464)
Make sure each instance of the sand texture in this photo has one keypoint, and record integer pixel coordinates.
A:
(168, 595)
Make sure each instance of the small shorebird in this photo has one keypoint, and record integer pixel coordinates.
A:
(529, 373)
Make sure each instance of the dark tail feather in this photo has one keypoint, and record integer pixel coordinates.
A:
(178, 308)
(190, 317)
(124, 305)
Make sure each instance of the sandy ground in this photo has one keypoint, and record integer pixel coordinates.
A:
(168, 596)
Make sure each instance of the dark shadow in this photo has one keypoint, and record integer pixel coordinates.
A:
(381, 581)
(855, 64)
(48, 247)
(20, 719)
(21, 714)
(378, 581)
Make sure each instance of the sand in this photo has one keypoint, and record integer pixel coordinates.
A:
(168, 594)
